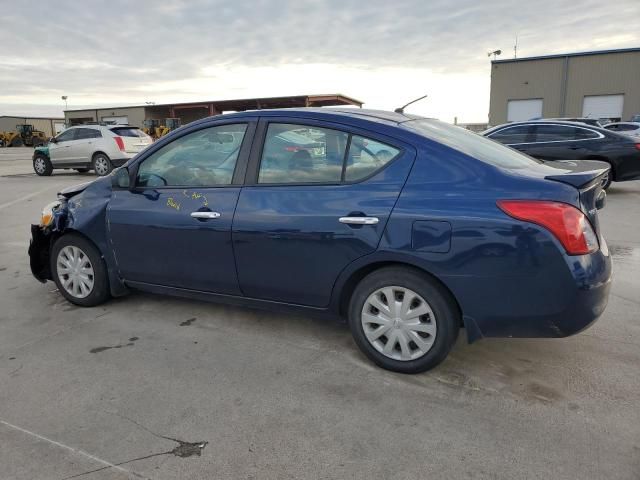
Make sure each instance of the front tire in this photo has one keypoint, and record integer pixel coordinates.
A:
(42, 165)
(403, 320)
(79, 271)
(102, 165)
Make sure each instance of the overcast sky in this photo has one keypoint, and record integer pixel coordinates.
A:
(382, 52)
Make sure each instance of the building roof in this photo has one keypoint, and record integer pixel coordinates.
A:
(32, 117)
(252, 103)
(563, 55)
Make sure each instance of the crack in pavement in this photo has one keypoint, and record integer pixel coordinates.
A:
(183, 449)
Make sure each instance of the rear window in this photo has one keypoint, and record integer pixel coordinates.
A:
(128, 132)
(471, 144)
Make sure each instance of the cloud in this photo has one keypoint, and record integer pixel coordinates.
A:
(128, 52)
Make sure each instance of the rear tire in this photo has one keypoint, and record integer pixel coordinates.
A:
(16, 142)
(42, 165)
(102, 165)
(421, 335)
(79, 271)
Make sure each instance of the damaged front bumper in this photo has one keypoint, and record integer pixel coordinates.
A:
(39, 253)
(42, 238)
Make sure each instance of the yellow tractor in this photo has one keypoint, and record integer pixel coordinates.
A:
(25, 135)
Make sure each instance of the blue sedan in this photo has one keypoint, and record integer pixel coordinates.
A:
(409, 228)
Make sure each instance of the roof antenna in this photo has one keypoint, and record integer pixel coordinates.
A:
(401, 109)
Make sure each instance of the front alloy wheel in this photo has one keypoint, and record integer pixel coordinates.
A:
(79, 270)
(75, 271)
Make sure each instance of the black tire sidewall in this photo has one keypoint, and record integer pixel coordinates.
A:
(95, 159)
(445, 310)
(48, 169)
(100, 292)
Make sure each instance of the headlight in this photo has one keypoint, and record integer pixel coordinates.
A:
(47, 213)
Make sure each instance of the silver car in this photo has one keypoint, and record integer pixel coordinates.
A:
(90, 147)
(631, 129)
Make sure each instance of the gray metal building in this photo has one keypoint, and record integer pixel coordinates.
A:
(49, 125)
(600, 84)
(189, 112)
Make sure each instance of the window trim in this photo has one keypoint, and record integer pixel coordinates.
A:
(255, 160)
(238, 170)
(600, 135)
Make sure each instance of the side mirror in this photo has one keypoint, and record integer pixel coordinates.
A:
(53, 140)
(121, 178)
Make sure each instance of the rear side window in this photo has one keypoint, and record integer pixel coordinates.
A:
(128, 132)
(302, 154)
(512, 135)
(559, 133)
(85, 133)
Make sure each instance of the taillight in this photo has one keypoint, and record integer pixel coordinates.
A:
(637, 146)
(292, 149)
(568, 224)
(120, 143)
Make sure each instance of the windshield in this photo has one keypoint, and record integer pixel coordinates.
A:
(471, 144)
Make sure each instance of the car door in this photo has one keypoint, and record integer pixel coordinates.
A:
(173, 227)
(317, 197)
(60, 150)
(84, 144)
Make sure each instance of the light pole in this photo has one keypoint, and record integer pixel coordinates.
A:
(64, 97)
(495, 53)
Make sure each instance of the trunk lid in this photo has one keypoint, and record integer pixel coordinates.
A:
(588, 177)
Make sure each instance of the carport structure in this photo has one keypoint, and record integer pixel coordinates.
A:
(191, 111)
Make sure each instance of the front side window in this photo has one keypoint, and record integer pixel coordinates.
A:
(303, 154)
(66, 135)
(206, 157)
(512, 135)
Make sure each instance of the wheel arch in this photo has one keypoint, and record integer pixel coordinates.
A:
(345, 286)
(99, 152)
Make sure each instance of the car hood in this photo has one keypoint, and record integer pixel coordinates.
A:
(81, 187)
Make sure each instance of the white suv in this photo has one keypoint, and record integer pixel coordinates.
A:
(90, 147)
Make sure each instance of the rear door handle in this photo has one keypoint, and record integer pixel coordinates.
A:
(205, 215)
(359, 220)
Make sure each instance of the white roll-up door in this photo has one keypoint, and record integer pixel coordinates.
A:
(603, 106)
(520, 110)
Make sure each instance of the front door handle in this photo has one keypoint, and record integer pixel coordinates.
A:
(359, 220)
(205, 215)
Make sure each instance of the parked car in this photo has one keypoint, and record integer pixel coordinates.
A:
(452, 229)
(631, 129)
(594, 122)
(90, 147)
(555, 140)
(635, 118)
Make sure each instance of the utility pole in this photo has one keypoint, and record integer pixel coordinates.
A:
(515, 48)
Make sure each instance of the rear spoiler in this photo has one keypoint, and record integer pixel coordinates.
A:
(582, 174)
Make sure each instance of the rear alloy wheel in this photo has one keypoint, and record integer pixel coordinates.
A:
(42, 166)
(102, 165)
(79, 271)
(402, 320)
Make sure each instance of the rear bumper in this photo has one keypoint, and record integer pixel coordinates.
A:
(563, 301)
